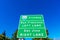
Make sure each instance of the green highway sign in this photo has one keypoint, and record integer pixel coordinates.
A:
(31, 26)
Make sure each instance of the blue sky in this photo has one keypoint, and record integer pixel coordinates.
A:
(10, 10)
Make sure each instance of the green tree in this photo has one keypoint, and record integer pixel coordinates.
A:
(3, 36)
(14, 36)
